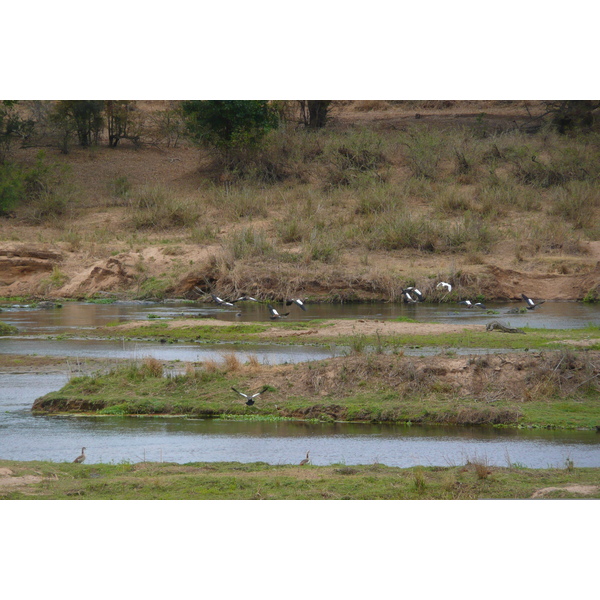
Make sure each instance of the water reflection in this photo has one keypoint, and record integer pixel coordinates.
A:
(552, 315)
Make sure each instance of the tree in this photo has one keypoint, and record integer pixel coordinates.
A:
(572, 114)
(83, 117)
(228, 124)
(12, 126)
(123, 121)
(314, 112)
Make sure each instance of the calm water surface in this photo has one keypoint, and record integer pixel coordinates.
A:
(551, 315)
(24, 436)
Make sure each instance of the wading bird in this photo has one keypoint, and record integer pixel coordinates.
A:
(530, 303)
(304, 461)
(296, 301)
(443, 284)
(250, 399)
(469, 304)
(81, 457)
(275, 314)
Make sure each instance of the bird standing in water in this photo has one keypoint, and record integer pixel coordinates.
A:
(81, 457)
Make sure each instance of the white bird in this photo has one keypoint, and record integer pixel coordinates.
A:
(220, 301)
(469, 304)
(530, 303)
(81, 457)
(246, 298)
(443, 284)
(275, 314)
(250, 399)
(296, 301)
(304, 461)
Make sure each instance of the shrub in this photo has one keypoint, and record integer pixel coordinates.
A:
(155, 207)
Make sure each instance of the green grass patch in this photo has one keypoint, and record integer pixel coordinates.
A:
(259, 480)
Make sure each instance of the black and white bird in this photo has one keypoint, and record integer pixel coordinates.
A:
(304, 461)
(220, 301)
(408, 297)
(530, 303)
(443, 284)
(296, 301)
(246, 299)
(250, 399)
(275, 314)
(469, 304)
(415, 292)
(81, 457)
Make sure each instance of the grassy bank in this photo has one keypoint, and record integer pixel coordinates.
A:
(260, 481)
(551, 389)
(324, 332)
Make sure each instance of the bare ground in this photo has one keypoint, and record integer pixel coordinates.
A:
(48, 260)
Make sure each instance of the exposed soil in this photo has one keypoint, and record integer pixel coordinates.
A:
(42, 260)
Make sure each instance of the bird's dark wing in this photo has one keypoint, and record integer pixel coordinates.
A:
(528, 300)
(300, 304)
(272, 310)
(240, 393)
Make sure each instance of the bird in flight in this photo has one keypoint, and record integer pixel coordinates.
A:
(469, 304)
(81, 457)
(443, 284)
(530, 303)
(415, 292)
(408, 297)
(275, 314)
(246, 298)
(250, 398)
(220, 301)
(296, 301)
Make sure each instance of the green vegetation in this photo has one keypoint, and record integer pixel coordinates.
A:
(554, 389)
(6, 329)
(260, 481)
(535, 339)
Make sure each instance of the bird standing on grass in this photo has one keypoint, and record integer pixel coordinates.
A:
(304, 461)
(530, 303)
(275, 314)
(250, 399)
(81, 457)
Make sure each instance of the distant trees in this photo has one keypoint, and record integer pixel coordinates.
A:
(572, 114)
(123, 121)
(314, 112)
(82, 117)
(12, 126)
(228, 124)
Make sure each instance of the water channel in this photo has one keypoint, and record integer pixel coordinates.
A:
(24, 436)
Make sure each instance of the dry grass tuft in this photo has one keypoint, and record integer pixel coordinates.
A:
(232, 362)
(152, 367)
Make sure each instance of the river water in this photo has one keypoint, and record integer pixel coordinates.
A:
(24, 436)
